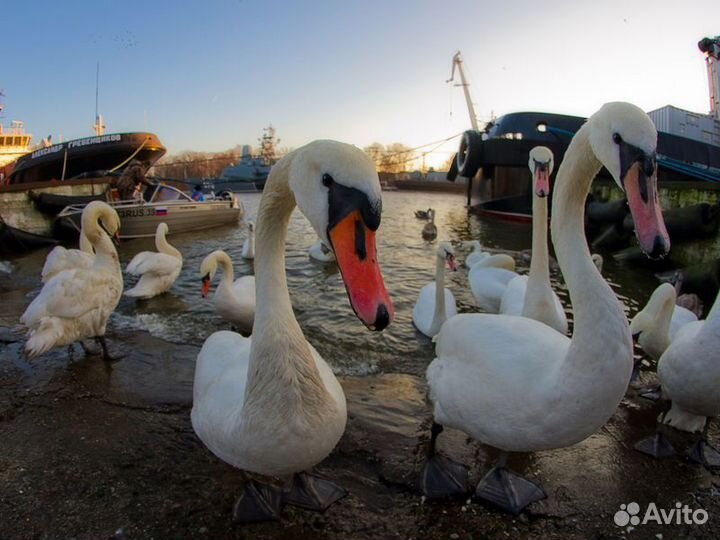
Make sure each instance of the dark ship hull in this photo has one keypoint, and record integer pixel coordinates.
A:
(72, 158)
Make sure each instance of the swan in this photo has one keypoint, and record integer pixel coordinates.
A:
(157, 271)
(657, 324)
(423, 214)
(270, 404)
(689, 373)
(248, 249)
(234, 301)
(436, 303)
(489, 278)
(520, 386)
(532, 295)
(429, 231)
(476, 255)
(598, 261)
(320, 252)
(76, 303)
(60, 258)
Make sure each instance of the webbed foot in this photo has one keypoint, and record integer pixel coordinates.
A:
(508, 491)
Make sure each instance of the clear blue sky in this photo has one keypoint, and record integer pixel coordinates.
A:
(207, 75)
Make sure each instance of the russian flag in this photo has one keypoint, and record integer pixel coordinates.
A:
(160, 211)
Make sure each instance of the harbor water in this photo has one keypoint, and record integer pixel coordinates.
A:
(96, 450)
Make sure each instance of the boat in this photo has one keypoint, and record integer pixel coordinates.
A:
(248, 174)
(14, 143)
(166, 204)
(70, 159)
(15, 242)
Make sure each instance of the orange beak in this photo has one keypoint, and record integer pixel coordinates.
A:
(642, 196)
(205, 286)
(356, 254)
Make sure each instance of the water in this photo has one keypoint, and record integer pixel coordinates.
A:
(318, 295)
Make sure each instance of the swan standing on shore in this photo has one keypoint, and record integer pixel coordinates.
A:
(60, 258)
(270, 404)
(532, 296)
(435, 303)
(689, 373)
(157, 270)
(76, 304)
(234, 300)
(520, 386)
(248, 249)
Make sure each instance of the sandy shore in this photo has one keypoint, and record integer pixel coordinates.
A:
(91, 451)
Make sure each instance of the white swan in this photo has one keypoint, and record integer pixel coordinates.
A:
(429, 231)
(532, 296)
(234, 301)
(320, 252)
(157, 271)
(248, 249)
(657, 324)
(435, 303)
(60, 258)
(489, 278)
(270, 404)
(518, 385)
(76, 303)
(476, 255)
(689, 373)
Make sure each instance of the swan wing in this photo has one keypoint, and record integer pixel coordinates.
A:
(496, 378)
(60, 259)
(149, 262)
(244, 288)
(513, 298)
(680, 317)
(74, 293)
(488, 285)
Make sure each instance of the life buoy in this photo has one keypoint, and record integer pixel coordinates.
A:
(469, 156)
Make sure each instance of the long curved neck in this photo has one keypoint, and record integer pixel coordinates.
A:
(85, 244)
(163, 246)
(601, 333)
(282, 370)
(105, 252)
(539, 295)
(228, 275)
(662, 316)
(439, 315)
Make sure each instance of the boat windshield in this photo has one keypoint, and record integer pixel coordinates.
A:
(169, 193)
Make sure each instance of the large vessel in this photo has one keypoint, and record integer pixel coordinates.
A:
(14, 142)
(248, 174)
(96, 154)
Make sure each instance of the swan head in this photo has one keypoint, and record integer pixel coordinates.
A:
(162, 229)
(624, 139)
(472, 244)
(446, 253)
(598, 261)
(251, 227)
(208, 268)
(337, 188)
(98, 216)
(541, 165)
(662, 298)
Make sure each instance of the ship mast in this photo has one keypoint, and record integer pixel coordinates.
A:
(457, 63)
(267, 145)
(99, 126)
(711, 48)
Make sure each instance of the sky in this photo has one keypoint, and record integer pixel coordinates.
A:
(209, 75)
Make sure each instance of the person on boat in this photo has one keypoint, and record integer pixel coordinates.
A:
(197, 194)
(132, 177)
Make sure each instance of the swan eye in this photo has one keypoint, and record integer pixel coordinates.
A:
(617, 138)
(327, 180)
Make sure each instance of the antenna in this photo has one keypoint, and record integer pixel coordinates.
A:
(99, 125)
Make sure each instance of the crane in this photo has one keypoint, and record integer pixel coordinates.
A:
(457, 63)
(711, 48)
